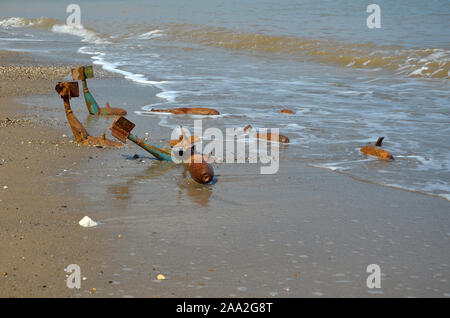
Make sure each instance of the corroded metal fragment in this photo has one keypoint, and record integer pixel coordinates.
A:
(379, 141)
(67, 90)
(376, 152)
(200, 170)
(82, 73)
(121, 128)
(269, 136)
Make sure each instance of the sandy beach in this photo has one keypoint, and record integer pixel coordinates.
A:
(304, 232)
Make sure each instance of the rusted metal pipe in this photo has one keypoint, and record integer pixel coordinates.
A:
(67, 90)
(272, 137)
(82, 73)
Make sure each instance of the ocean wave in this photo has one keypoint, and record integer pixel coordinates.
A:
(99, 59)
(428, 62)
(445, 196)
(18, 22)
(150, 35)
(86, 34)
(78, 30)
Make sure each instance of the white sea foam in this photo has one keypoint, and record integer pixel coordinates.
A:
(99, 59)
(151, 35)
(419, 71)
(78, 30)
(17, 22)
(169, 96)
(20, 40)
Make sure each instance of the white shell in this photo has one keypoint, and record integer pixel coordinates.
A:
(87, 222)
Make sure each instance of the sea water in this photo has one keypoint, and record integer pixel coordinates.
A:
(347, 84)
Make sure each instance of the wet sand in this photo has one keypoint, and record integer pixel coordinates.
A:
(304, 232)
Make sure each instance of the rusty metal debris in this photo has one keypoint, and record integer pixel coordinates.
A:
(287, 111)
(272, 137)
(82, 73)
(199, 169)
(376, 151)
(379, 141)
(269, 136)
(191, 111)
(67, 90)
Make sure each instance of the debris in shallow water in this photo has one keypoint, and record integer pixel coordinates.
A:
(272, 137)
(199, 169)
(376, 151)
(87, 222)
(67, 90)
(161, 277)
(379, 141)
(119, 236)
(93, 290)
(287, 111)
(82, 73)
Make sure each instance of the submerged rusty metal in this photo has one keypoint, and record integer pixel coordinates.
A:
(273, 137)
(121, 129)
(269, 136)
(199, 169)
(82, 73)
(287, 111)
(379, 142)
(67, 90)
(376, 151)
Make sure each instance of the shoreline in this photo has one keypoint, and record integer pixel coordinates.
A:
(304, 232)
(395, 187)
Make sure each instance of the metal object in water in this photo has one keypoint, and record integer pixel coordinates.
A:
(67, 90)
(376, 151)
(199, 169)
(82, 73)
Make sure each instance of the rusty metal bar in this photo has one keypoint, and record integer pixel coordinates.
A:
(82, 73)
(67, 90)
